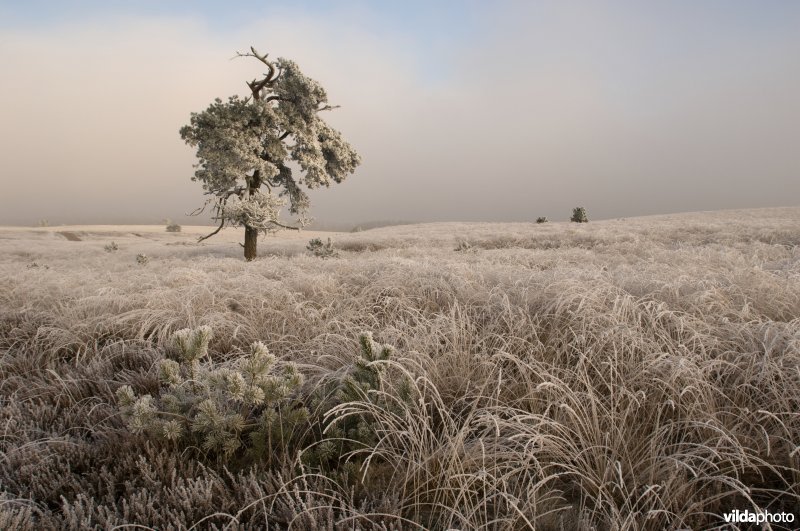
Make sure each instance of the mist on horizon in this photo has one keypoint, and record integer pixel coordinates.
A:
(464, 112)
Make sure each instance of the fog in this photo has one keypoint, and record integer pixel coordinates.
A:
(529, 110)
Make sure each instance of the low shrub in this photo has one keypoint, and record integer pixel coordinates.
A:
(463, 245)
(320, 249)
(247, 403)
(254, 408)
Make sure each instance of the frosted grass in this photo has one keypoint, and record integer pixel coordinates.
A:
(623, 374)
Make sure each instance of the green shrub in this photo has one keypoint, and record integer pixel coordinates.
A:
(579, 215)
(320, 249)
(343, 435)
(253, 408)
(245, 404)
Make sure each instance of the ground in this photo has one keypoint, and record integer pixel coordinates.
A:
(624, 374)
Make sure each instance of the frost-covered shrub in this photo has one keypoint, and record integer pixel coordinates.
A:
(579, 215)
(142, 259)
(111, 247)
(323, 250)
(463, 245)
(254, 408)
(172, 226)
(541, 219)
(245, 404)
(364, 379)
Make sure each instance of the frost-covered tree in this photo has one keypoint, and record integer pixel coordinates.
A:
(247, 148)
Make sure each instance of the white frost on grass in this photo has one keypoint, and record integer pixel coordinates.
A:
(624, 373)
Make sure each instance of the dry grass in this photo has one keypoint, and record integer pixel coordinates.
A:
(626, 374)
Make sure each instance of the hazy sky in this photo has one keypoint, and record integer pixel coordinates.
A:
(460, 110)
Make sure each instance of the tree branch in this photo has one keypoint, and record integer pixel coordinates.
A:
(221, 224)
(278, 98)
(274, 73)
(281, 225)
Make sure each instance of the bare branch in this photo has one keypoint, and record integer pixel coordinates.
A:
(256, 86)
(221, 224)
(281, 225)
(200, 210)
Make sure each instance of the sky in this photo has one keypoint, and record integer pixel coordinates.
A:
(461, 111)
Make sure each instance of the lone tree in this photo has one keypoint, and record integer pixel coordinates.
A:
(247, 147)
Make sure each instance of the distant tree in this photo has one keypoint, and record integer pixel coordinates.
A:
(245, 147)
(579, 215)
(172, 226)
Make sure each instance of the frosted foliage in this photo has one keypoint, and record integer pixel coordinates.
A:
(231, 139)
(258, 211)
(245, 145)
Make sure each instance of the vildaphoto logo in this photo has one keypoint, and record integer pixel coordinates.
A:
(757, 517)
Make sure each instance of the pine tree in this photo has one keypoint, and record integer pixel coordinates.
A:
(246, 147)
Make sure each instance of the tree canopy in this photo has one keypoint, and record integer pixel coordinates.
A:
(248, 147)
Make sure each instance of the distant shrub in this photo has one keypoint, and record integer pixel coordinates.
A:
(111, 247)
(542, 219)
(357, 228)
(142, 259)
(320, 249)
(358, 246)
(34, 265)
(44, 223)
(579, 215)
(172, 226)
(463, 245)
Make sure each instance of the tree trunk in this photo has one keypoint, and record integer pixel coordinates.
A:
(250, 243)
(251, 234)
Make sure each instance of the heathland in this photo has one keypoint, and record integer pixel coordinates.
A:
(638, 373)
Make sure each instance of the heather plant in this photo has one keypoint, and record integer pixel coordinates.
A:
(321, 249)
(220, 408)
(111, 247)
(142, 259)
(579, 215)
